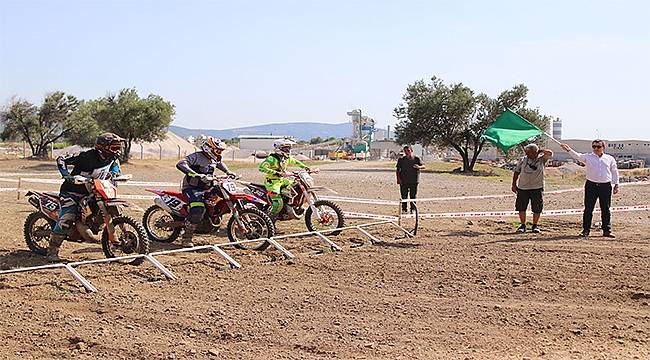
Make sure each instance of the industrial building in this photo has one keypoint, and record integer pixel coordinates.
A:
(259, 142)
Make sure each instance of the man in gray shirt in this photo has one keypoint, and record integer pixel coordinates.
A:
(528, 184)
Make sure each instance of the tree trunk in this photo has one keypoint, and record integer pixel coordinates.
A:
(477, 151)
(41, 152)
(465, 156)
(127, 151)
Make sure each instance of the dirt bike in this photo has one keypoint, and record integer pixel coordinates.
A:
(100, 211)
(319, 214)
(165, 220)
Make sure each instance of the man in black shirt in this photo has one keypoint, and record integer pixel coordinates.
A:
(408, 175)
(98, 163)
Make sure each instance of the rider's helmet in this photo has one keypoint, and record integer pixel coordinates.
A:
(109, 145)
(283, 147)
(212, 147)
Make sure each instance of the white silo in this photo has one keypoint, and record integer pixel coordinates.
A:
(557, 129)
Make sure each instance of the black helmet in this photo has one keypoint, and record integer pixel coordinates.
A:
(109, 145)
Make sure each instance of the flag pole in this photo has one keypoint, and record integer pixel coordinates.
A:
(552, 138)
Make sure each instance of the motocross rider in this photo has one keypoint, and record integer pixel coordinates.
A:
(99, 163)
(196, 167)
(275, 168)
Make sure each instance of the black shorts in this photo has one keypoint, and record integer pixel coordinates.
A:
(535, 198)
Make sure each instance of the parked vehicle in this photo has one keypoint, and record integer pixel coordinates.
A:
(99, 212)
(165, 220)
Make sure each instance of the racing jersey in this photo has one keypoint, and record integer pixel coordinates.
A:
(274, 165)
(89, 164)
(199, 163)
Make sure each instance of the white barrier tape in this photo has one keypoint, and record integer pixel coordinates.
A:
(150, 183)
(136, 197)
(359, 200)
(119, 196)
(9, 180)
(355, 215)
(59, 181)
(516, 213)
(475, 197)
(31, 174)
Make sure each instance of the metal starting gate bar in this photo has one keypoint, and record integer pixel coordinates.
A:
(71, 267)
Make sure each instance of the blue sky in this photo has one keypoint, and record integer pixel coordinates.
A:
(227, 64)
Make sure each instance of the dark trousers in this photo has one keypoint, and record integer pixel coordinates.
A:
(603, 193)
(405, 189)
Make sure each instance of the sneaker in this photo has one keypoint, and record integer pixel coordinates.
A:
(535, 229)
(584, 233)
(521, 229)
(608, 234)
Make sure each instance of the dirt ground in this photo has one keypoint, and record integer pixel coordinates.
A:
(461, 289)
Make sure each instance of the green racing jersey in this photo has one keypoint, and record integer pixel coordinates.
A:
(274, 165)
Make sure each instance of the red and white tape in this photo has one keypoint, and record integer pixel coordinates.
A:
(360, 200)
(355, 215)
(515, 213)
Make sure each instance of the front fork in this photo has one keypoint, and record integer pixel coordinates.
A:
(235, 213)
(108, 222)
(311, 198)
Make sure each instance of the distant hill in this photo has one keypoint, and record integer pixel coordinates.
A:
(299, 130)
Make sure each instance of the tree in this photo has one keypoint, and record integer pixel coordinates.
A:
(316, 140)
(452, 116)
(39, 126)
(134, 118)
(85, 129)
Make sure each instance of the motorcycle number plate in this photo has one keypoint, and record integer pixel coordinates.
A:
(49, 205)
(229, 186)
(259, 193)
(173, 202)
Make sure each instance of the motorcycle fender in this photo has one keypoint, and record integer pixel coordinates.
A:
(164, 206)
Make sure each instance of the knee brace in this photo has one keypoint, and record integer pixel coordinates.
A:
(196, 213)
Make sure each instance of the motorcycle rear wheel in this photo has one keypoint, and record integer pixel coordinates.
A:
(37, 232)
(151, 219)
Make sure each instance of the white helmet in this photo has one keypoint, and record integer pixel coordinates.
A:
(212, 147)
(283, 146)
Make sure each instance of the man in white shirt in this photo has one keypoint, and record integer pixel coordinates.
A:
(602, 172)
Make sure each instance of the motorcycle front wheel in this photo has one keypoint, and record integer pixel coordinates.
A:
(130, 239)
(330, 216)
(257, 225)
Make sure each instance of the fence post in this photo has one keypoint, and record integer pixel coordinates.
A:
(179, 151)
(160, 151)
(141, 151)
(24, 149)
(18, 189)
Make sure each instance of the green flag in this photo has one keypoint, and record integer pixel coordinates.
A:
(510, 129)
